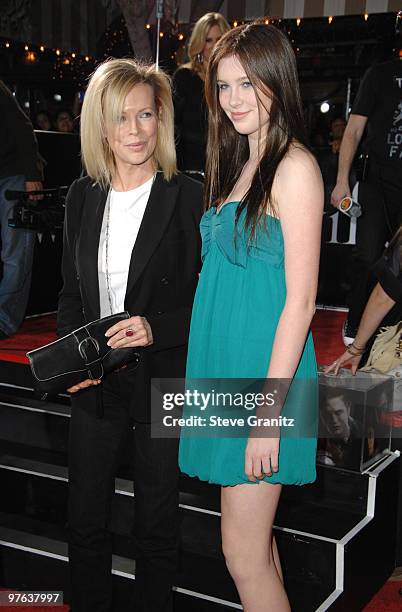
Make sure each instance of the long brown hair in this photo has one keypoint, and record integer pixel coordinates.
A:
(269, 63)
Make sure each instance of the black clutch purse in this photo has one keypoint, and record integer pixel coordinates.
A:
(82, 354)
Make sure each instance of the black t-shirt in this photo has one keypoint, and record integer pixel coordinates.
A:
(191, 119)
(380, 99)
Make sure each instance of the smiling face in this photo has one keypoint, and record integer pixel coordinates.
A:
(134, 136)
(213, 35)
(238, 98)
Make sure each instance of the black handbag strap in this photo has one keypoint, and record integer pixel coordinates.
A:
(88, 348)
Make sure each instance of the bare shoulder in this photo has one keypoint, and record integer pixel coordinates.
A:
(298, 163)
(298, 182)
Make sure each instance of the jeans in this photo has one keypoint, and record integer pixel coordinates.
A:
(93, 452)
(17, 247)
(380, 198)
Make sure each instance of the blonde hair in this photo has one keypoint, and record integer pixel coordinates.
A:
(200, 33)
(103, 104)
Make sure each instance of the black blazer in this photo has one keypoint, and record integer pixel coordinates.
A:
(162, 278)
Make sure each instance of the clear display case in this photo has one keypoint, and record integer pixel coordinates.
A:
(354, 424)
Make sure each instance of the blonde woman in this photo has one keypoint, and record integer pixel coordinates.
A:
(131, 242)
(188, 81)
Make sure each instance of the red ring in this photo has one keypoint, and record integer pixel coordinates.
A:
(129, 333)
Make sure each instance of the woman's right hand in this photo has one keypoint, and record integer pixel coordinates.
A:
(89, 382)
(345, 358)
(261, 457)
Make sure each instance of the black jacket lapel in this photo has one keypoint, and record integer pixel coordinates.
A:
(158, 212)
(91, 225)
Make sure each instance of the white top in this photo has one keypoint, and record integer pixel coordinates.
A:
(126, 212)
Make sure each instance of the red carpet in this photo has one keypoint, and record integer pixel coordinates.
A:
(327, 325)
(327, 334)
(387, 599)
(32, 334)
(33, 608)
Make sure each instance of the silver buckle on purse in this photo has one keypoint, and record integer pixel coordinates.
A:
(82, 346)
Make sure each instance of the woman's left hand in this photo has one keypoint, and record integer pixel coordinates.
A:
(261, 458)
(135, 331)
(344, 359)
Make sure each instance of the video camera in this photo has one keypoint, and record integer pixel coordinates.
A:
(39, 215)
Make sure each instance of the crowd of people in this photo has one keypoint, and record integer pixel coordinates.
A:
(219, 280)
(63, 121)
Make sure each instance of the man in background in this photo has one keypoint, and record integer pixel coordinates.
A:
(340, 436)
(378, 106)
(328, 159)
(20, 170)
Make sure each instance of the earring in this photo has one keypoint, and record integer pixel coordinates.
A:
(199, 58)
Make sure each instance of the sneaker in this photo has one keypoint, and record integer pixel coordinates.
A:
(349, 333)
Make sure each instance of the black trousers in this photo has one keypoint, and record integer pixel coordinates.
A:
(93, 452)
(380, 196)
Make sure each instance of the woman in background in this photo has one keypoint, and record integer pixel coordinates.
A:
(43, 121)
(256, 294)
(188, 87)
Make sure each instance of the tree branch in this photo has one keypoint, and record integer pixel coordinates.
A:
(135, 13)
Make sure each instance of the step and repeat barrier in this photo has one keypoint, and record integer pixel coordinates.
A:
(61, 155)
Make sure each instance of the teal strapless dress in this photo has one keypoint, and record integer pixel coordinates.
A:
(239, 299)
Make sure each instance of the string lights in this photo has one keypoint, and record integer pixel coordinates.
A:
(64, 65)
(72, 65)
(42, 49)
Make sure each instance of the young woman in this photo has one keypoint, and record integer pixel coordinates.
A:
(188, 86)
(256, 295)
(131, 242)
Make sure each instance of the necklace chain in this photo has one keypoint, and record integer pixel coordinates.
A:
(107, 273)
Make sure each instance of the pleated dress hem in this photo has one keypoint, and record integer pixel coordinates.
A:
(270, 479)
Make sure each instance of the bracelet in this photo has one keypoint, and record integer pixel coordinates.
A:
(357, 354)
(358, 348)
(353, 354)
